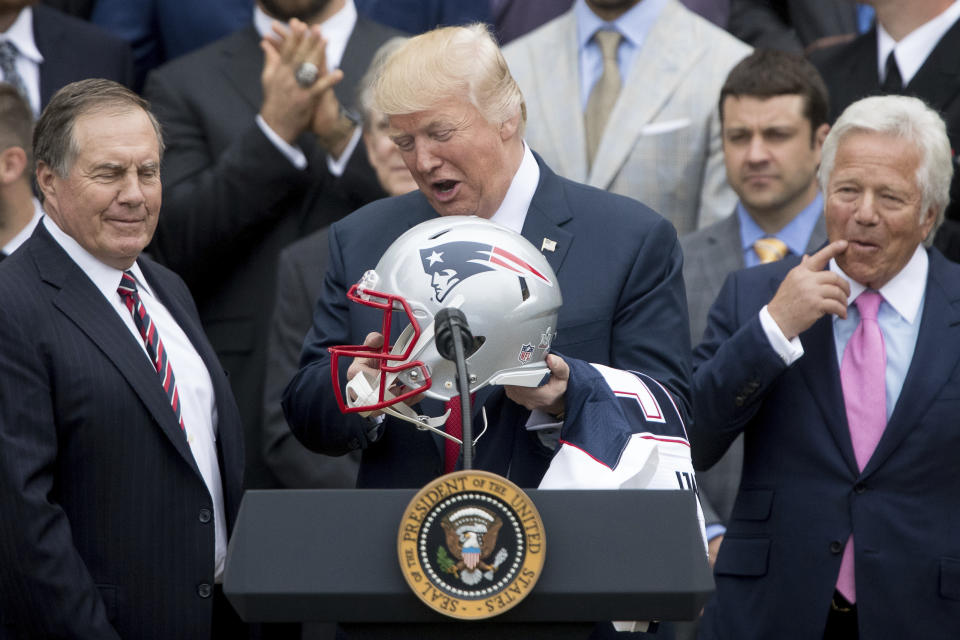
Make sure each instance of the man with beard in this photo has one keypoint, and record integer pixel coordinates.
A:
(248, 134)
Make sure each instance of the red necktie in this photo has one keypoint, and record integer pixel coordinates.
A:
(151, 339)
(454, 427)
(862, 376)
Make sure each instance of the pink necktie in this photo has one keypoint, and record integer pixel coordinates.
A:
(862, 375)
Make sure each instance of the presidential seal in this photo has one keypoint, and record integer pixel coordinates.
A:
(471, 545)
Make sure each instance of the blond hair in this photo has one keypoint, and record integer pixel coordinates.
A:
(449, 62)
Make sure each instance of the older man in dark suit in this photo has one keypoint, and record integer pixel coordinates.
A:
(460, 134)
(121, 451)
(834, 368)
(773, 115)
(246, 145)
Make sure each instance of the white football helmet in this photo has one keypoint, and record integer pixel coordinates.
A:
(502, 284)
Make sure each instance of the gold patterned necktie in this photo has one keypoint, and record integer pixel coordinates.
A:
(770, 249)
(604, 93)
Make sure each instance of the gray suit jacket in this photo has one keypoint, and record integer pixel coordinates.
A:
(662, 142)
(709, 256)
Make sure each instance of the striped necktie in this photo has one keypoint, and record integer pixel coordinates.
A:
(770, 249)
(151, 339)
(8, 66)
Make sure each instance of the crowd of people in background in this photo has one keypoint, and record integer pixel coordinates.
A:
(755, 203)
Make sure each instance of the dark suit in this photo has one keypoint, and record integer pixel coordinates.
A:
(618, 264)
(802, 495)
(790, 25)
(300, 272)
(74, 49)
(232, 201)
(161, 30)
(850, 71)
(105, 527)
(709, 255)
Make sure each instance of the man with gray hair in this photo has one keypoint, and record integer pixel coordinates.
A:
(121, 451)
(457, 116)
(834, 368)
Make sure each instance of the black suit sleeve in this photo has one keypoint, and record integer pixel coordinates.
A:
(733, 368)
(210, 200)
(650, 327)
(46, 589)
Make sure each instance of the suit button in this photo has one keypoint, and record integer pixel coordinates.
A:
(204, 590)
(204, 516)
(354, 443)
(739, 401)
(859, 487)
(836, 547)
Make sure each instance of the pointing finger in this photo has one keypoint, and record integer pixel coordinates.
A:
(819, 260)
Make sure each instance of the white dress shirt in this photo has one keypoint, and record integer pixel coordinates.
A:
(337, 30)
(913, 49)
(194, 386)
(29, 58)
(24, 233)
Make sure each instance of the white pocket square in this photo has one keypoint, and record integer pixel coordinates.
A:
(656, 128)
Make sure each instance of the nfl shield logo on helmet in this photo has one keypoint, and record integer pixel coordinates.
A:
(526, 352)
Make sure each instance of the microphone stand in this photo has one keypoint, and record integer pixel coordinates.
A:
(452, 332)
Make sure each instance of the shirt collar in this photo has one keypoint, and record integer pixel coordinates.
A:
(913, 49)
(905, 290)
(336, 29)
(513, 210)
(634, 25)
(24, 233)
(104, 277)
(20, 34)
(795, 234)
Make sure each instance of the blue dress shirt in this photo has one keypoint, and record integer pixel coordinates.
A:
(796, 234)
(634, 25)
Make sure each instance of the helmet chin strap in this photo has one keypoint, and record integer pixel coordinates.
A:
(364, 392)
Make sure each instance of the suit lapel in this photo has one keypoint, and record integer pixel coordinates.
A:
(548, 211)
(723, 253)
(822, 375)
(560, 111)
(80, 300)
(361, 46)
(242, 62)
(930, 366)
(936, 81)
(47, 36)
(818, 237)
(659, 66)
(858, 77)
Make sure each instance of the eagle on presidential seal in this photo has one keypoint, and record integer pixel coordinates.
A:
(471, 537)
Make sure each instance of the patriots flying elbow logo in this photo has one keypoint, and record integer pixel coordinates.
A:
(450, 264)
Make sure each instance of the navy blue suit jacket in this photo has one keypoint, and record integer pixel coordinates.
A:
(619, 267)
(74, 49)
(802, 495)
(105, 527)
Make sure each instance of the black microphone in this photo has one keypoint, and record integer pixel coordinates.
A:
(452, 336)
(443, 329)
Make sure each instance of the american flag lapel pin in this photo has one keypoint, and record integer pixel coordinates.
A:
(548, 245)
